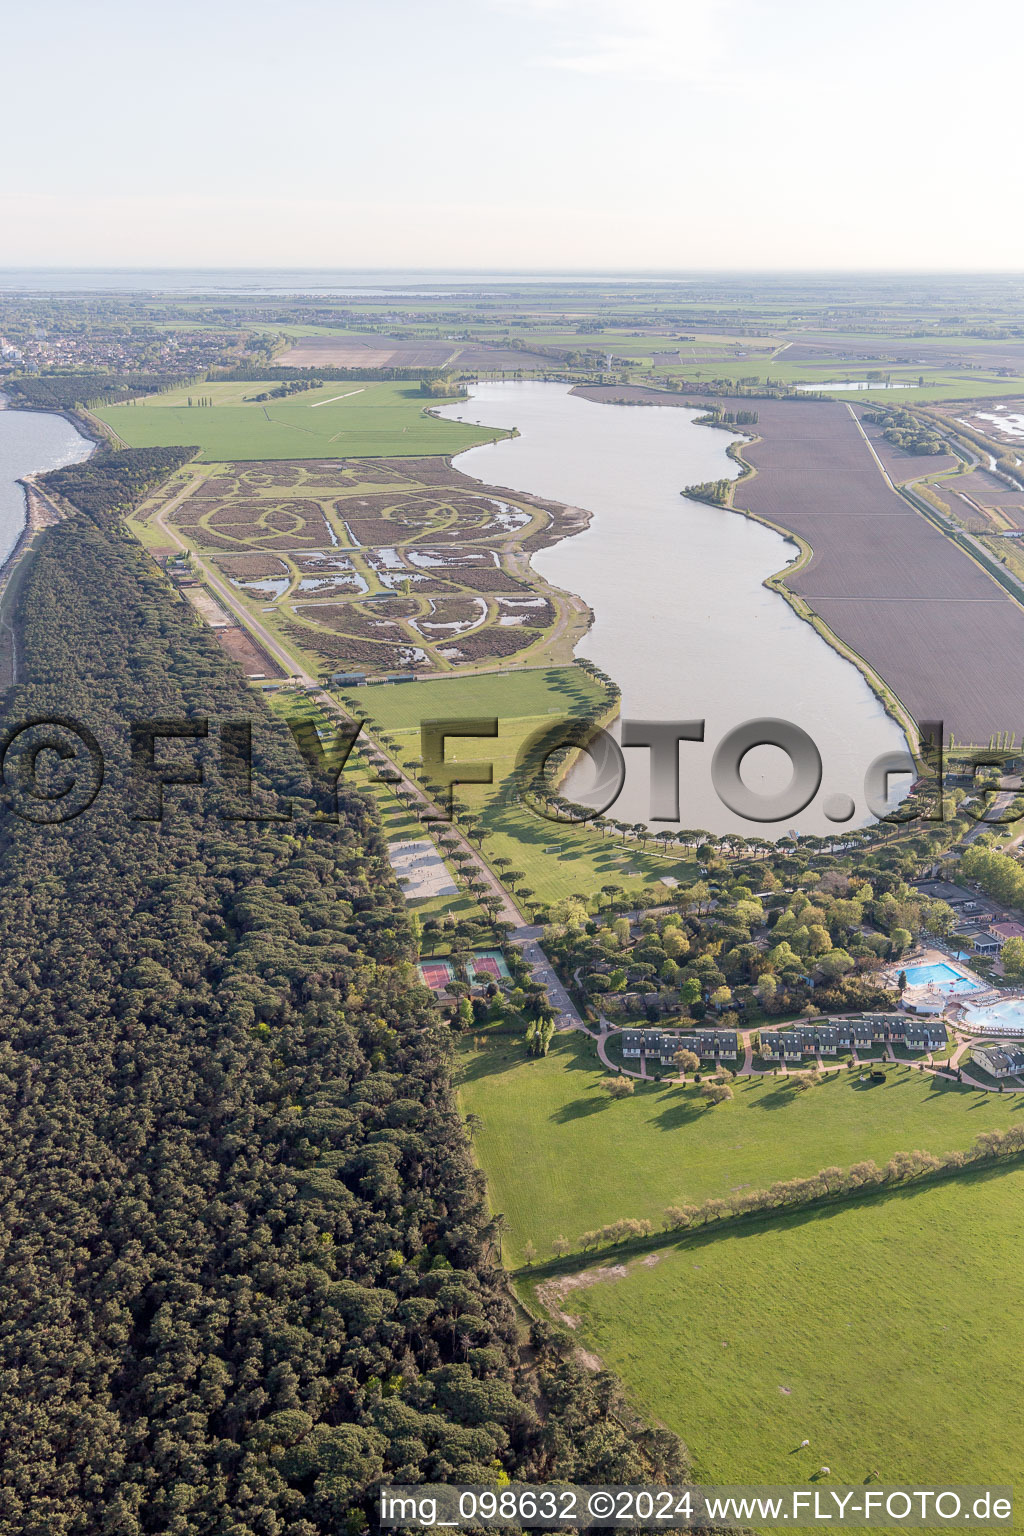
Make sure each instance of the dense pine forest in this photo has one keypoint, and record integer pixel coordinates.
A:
(65, 391)
(114, 480)
(247, 1269)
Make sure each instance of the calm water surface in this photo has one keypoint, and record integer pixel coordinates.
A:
(29, 441)
(682, 620)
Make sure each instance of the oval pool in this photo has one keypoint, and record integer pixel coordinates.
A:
(1005, 1018)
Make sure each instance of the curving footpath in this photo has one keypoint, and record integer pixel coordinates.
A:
(946, 1070)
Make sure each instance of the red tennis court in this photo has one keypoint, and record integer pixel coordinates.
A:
(436, 973)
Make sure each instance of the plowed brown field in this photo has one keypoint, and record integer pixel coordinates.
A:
(945, 636)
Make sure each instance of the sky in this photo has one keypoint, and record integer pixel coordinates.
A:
(573, 135)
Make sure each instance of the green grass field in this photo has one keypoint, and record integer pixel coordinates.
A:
(557, 859)
(561, 1158)
(881, 1332)
(504, 695)
(341, 420)
(398, 822)
(939, 383)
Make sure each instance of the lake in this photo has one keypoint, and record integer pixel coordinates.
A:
(30, 441)
(682, 620)
(833, 385)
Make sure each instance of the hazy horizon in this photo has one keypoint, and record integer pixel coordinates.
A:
(481, 274)
(640, 136)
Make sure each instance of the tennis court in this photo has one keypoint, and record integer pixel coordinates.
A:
(436, 974)
(487, 966)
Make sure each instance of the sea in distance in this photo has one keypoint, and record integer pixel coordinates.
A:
(30, 441)
(296, 281)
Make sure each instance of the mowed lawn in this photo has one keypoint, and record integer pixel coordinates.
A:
(341, 420)
(557, 859)
(885, 1333)
(562, 1159)
(500, 695)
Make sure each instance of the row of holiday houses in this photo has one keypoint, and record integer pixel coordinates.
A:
(824, 1037)
(708, 1044)
(829, 1037)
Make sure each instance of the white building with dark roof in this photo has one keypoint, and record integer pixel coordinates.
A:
(999, 1060)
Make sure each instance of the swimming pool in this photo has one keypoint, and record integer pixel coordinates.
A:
(939, 974)
(1006, 1018)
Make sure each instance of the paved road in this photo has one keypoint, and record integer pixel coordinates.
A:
(993, 811)
(524, 934)
(229, 599)
(566, 1013)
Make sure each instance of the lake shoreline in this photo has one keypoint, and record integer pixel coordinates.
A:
(39, 512)
(686, 618)
(776, 581)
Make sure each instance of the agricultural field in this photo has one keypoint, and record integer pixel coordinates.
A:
(338, 421)
(377, 565)
(881, 576)
(916, 371)
(932, 369)
(592, 1161)
(557, 859)
(877, 1331)
(978, 498)
(372, 350)
(878, 348)
(914, 383)
(938, 384)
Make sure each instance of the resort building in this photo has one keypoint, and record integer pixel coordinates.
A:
(782, 1045)
(987, 942)
(955, 896)
(928, 1000)
(895, 1029)
(856, 1034)
(999, 1061)
(648, 1042)
(924, 1035)
(830, 1036)
(708, 1044)
(820, 1039)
